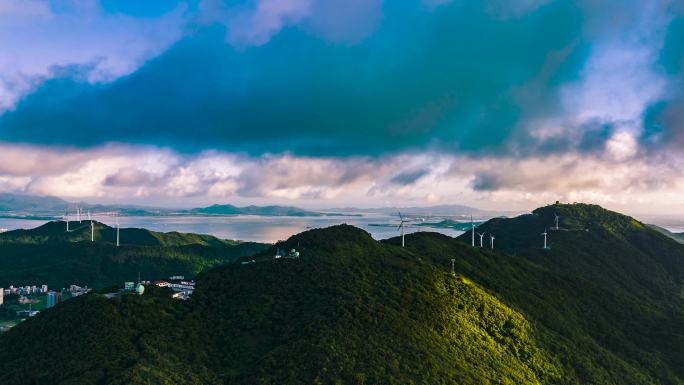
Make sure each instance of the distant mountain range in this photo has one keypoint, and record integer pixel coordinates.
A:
(283, 211)
(679, 237)
(30, 205)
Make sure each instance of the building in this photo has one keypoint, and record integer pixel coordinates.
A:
(27, 313)
(184, 295)
(53, 298)
(139, 289)
(129, 286)
(75, 291)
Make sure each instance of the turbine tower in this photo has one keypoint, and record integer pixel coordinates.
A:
(66, 219)
(472, 237)
(117, 231)
(92, 231)
(544, 234)
(491, 240)
(556, 219)
(481, 238)
(453, 271)
(401, 228)
(78, 214)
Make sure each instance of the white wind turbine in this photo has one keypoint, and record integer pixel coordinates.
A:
(472, 237)
(117, 230)
(556, 219)
(544, 234)
(491, 240)
(481, 238)
(66, 219)
(401, 228)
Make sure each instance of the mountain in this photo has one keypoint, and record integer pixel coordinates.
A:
(449, 224)
(604, 305)
(679, 237)
(254, 210)
(50, 255)
(429, 211)
(55, 232)
(30, 203)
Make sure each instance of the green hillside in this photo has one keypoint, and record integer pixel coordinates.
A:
(55, 232)
(602, 306)
(49, 255)
(609, 285)
(350, 310)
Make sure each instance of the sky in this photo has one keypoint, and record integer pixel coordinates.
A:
(497, 104)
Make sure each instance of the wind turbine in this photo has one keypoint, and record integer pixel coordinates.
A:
(78, 214)
(544, 234)
(556, 219)
(92, 231)
(453, 271)
(472, 237)
(481, 238)
(491, 240)
(401, 227)
(66, 219)
(117, 231)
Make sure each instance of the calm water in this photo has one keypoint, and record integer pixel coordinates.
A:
(247, 228)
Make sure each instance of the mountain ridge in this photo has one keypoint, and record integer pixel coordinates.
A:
(50, 255)
(602, 306)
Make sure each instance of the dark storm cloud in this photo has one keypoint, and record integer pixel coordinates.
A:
(664, 120)
(409, 177)
(443, 79)
(486, 182)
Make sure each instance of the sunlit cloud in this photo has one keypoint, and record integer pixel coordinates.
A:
(162, 176)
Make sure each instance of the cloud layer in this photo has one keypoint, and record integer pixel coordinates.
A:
(157, 176)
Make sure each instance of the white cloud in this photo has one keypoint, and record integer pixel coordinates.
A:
(37, 38)
(617, 178)
(13, 12)
(255, 22)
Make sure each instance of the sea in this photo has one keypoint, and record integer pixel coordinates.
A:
(249, 228)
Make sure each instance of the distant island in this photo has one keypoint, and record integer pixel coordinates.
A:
(47, 208)
(443, 224)
(280, 211)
